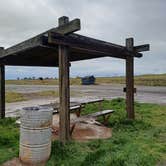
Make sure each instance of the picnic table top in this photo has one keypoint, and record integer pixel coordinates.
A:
(55, 105)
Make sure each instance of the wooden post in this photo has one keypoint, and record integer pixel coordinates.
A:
(2, 88)
(130, 80)
(64, 89)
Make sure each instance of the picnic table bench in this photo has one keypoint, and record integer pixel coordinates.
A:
(83, 104)
(105, 114)
(90, 118)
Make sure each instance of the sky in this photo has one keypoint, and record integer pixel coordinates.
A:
(109, 20)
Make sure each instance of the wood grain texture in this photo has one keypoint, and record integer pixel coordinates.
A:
(89, 45)
(130, 80)
(64, 89)
(64, 94)
(68, 27)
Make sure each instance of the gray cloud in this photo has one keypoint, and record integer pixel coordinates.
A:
(110, 20)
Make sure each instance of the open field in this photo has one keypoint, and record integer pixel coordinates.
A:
(147, 80)
(73, 81)
(139, 142)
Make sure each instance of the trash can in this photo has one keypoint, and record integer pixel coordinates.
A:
(35, 134)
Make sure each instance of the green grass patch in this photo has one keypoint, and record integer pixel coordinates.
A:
(139, 142)
(134, 143)
(9, 139)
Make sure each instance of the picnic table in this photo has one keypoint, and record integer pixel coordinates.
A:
(76, 107)
(55, 106)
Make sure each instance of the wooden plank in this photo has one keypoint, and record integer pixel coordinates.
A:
(68, 27)
(86, 44)
(92, 101)
(141, 48)
(130, 80)
(2, 91)
(64, 92)
(100, 113)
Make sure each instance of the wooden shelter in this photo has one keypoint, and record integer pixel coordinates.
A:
(59, 46)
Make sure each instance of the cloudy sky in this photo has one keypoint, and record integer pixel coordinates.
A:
(110, 20)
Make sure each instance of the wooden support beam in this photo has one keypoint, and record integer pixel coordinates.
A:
(64, 89)
(2, 87)
(86, 44)
(130, 80)
(141, 48)
(68, 27)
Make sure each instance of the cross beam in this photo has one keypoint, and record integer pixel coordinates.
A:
(65, 28)
(141, 48)
(130, 75)
(81, 43)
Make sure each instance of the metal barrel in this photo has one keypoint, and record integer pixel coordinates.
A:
(35, 134)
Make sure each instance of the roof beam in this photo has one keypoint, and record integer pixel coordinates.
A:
(69, 27)
(141, 48)
(80, 42)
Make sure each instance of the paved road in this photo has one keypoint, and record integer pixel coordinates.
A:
(144, 93)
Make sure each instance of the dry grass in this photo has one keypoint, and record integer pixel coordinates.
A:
(148, 80)
(15, 97)
(73, 81)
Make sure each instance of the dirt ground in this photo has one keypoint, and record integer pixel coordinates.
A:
(84, 130)
(144, 94)
(147, 94)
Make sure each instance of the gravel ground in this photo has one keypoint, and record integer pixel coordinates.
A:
(144, 94)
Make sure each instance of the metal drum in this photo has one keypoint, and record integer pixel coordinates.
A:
(35, 134)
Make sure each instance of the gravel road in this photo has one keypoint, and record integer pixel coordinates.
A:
(144, 94)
